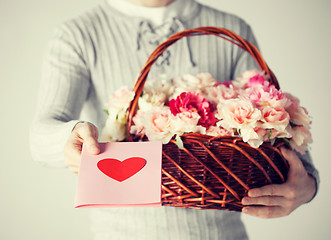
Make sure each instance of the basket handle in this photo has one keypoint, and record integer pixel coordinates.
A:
(219, 32)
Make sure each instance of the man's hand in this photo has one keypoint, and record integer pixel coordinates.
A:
(279, 200)
(83, 132)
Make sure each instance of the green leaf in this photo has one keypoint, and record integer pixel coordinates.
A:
(179, 142)
(270, 133)
(106, 111)
(286, 140)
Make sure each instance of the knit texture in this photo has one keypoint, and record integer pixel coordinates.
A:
(91, 56)
(94, 54)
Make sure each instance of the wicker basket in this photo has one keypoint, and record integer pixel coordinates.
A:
(212, 172)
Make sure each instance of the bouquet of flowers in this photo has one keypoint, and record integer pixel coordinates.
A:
(248, 107)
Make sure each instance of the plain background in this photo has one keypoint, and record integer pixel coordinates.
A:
(37, 202)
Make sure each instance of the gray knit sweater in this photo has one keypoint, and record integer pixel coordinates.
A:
(96, 53)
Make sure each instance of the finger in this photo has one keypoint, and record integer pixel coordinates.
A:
(72, 153)
(265, 212)
(292, 159)
(73, 163)
(74, 168)
(73, 147)
(268, 190)
(72, 157)
(265, 201)
(89, 134)
(296, 168)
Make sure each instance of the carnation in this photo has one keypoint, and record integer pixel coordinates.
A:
(299, 115)
(275, 118)
(158, 125)
(190, 83)
(248, 107)
(238, 113)
(193, 102)
(121, 98)
(242, 81)
(219, 132)
(186, 122)
(220, 93)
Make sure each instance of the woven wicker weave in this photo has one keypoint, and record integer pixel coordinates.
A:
(212, 172)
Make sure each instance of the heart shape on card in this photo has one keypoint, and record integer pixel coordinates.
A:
(121, 170)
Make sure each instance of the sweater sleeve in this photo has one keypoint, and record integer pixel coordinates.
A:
(63, 89)
(310, 168)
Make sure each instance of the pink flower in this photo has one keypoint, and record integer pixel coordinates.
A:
(260, 137)
(220, 92)
(301, 138)
(249, 107)
(186, 122)
(236, 113)
(138, 128)
(193, 102)
(266, 95)
(239, 114)
(219, 132)
(275, 118)
(299, 115)
(158, 125)
(257, 79)
(121, 98)
(190, 83)
(242, 81)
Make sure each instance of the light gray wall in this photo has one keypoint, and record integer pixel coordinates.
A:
(37, 202)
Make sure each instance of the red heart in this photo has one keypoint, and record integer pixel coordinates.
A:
(121, 171)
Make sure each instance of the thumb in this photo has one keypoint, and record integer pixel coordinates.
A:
(293, 160)
(89, 133)
(92, 145)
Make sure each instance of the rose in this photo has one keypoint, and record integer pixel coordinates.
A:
(220, 92)
(275, 118)
(193, 102)
(138, 127)
(186, 122)
(113, 131)
(160, 84)
(158, 124)
(157, 91)
(121, 98)
(299, 115)
(256, 139)
(190, 83)
(301, 137)
(257, 79)
(219, 132)
(195, 83)
(242, 81)
(266, 95)
(239, 114)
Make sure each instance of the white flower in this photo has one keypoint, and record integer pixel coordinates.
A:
(220, 93)
(158, 125)
(186, 122)
(113, 131)
(190, 83)
(158, 90)
(241, 81)
(239, 114)
(121, 98)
